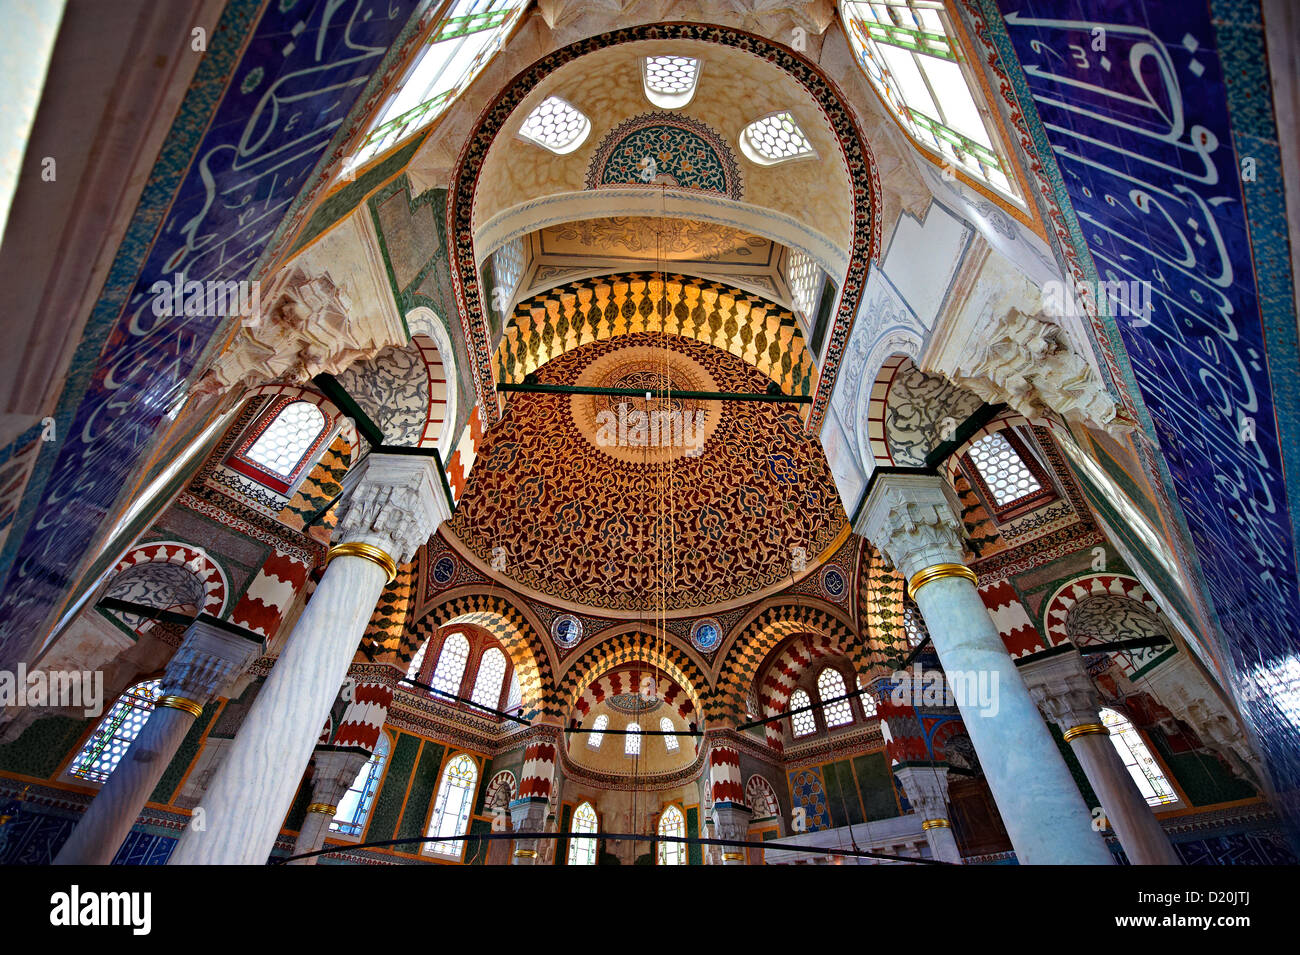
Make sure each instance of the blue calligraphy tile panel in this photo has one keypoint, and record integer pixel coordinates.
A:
(1133, 99)
(223, 184)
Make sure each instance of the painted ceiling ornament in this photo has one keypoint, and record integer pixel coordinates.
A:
(667, 149)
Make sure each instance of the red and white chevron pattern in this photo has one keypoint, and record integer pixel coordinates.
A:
(538, 772)
(1017, 630)
(630, 681)
(462, 459)
(363, 720)
(725, 783)
(210, 574)
(782, 676)
(1115, 585)
(271, 593)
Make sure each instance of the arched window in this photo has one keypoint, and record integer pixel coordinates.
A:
(912, 57)
(802, 723)
(556, 125)
(278, 448)
(354, 807)
(632, 741)
(451, 664)
(670, 81)
(867, 699)
(774, 138)
(1142, 766)
(672, 823)
(594, 739)
(583, 851)
(451, 809)
(830, 685)
(115, 733)
(1003, 471)
(670, 742)
(491, 675)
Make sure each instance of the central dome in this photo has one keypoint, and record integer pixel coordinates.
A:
(577, 499)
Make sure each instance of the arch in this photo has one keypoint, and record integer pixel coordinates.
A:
(299, 393)
(779, 679)
(630, 648)
(760, 797)
(672, 823)
(511, 628)
(452, 805)
(211, 578)
(423, 322)
(746, 325)
(751, 642)
(1061, 624)
(880, 608)
(500, 791)
(583, 851)
(626, 679)
(864, 177)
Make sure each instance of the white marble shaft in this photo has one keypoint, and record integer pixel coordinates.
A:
(396, 506)
(731, 821)
(927, 791)
(336, 769)
(205, 665)
(1061, 687)
(910, 519)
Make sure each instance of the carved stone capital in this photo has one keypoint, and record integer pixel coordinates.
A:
(910, 518)
(1061, 688)
(336, 769)
(396, 506)
(926, 788)
(208, 661)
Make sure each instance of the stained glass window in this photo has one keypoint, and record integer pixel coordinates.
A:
(803, 723)
(583, 851)
(281, 446)
(670, 81)
(556, 125)
(1003, 470)
(911, 57)
(115, 733)
(451, 664)
(632, 741)
(672, 823)
(670, 742)
(354, 807)
(1141, 765)
(830, 685)
(773, 139)
(459, 46)
(451, 809)
(491, 676)
(594, 739)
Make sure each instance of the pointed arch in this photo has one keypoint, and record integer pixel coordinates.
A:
(630, 648)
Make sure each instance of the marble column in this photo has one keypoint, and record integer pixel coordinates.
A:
(210, 659)
(536, 783)
(927, 791)
(336, 769)
(1061, 687)
(909, 517)
(396, 506)
(727, 793)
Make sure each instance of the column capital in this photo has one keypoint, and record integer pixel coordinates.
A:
(336, 769)
(927, 790)
(1060, 687)
(396, 505)
(209, 660)
(912, 519)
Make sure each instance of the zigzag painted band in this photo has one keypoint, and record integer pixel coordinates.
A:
(192, 707)
(938, 572)
(1084, 729)
(366, 552)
